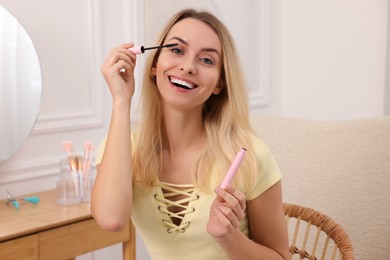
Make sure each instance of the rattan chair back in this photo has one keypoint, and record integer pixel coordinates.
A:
(314, 235)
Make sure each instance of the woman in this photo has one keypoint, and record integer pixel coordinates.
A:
(165, 175)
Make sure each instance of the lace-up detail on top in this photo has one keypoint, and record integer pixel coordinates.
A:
(176, 200)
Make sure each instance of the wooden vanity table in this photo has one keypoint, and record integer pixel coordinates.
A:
(48, 231)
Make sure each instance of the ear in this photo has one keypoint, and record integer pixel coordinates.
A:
(217, 90)
(153, 71)
(220, 86)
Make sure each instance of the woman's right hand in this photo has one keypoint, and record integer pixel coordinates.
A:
(112, 193)
(118, 71)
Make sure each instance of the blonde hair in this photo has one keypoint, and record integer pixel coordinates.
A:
(225, 116)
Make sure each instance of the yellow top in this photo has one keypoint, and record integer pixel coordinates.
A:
(189, 239)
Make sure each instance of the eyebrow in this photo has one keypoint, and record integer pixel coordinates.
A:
(186, 43)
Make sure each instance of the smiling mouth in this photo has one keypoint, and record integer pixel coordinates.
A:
(182, 84)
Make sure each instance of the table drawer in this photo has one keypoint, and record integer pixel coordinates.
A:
(77, 239)
(24, 248)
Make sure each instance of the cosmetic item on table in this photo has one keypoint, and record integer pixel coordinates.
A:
(15, 202)
(86, 180)
(72, 159)
(76, 175)
(233, 168)
(142, 49)
(68, 189)
(33, 200)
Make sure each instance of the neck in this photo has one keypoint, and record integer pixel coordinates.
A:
(182, 131)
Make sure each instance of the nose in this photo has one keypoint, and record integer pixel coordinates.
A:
(188, 66)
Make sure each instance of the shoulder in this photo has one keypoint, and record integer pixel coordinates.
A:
(268, 172)
(102, 146)
(260, 148)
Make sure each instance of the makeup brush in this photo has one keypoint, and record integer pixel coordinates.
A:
(68, 147)
(142, 49)
(75, 164)
(87, 153)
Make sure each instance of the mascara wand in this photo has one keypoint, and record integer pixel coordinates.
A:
(142, 49)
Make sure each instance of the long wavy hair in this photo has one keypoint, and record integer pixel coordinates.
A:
(225, 116)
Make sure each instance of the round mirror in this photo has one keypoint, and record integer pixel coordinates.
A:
(20, 85)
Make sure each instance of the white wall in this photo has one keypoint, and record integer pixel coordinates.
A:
(321, 59)
(333, 58)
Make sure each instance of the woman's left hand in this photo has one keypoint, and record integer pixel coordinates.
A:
(226, 212)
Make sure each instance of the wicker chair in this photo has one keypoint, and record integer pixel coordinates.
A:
(314, 235)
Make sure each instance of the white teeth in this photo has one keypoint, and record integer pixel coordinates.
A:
(182, 82)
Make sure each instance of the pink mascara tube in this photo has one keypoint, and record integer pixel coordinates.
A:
(142, 49)
(233, 169)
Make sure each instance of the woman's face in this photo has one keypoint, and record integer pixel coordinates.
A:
(188, 73)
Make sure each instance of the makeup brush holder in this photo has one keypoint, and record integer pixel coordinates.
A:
(75, 181)
(68, 191)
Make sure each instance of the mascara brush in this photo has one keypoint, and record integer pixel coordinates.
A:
(142, 49)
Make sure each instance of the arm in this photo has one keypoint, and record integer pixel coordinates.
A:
(112, 191)
(267, 226)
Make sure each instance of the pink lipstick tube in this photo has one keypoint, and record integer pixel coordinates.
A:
(233, 169)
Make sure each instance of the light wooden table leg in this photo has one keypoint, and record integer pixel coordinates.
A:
(129, 246)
